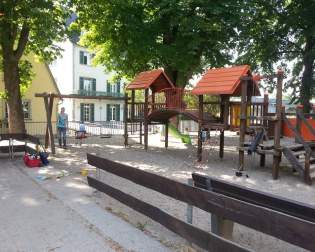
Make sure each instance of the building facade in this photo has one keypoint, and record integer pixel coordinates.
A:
(75, 74)
(34, 109)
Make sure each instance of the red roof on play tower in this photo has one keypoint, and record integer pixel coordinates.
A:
(154, 79)
(224, 81)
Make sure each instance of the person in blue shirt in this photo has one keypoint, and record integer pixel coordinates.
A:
(62, 126)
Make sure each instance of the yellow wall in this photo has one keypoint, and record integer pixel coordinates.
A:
(42, 82)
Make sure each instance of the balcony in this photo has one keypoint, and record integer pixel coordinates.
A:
(98, 93)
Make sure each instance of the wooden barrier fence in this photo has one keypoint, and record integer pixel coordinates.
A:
(291, 229)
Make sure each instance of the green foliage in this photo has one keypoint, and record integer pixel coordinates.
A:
(26, 75)
(281, 32)
(42, 21)
(183, 36)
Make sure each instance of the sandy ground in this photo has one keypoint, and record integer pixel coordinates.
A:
(178, 162)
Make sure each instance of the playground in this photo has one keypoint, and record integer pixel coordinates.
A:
(238, 141)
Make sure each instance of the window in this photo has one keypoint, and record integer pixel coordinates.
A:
(113, 89)
(86, 58)
(87, 84)
(113, 112)
(83, 58)
(87, 112)
(26, 109)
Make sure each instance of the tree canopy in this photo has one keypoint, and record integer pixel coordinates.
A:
(182, 36)
(27, 26)
(281, 32)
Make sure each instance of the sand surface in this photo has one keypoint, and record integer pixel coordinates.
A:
(178, 162)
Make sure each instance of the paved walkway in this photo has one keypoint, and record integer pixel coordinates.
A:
(59, 216)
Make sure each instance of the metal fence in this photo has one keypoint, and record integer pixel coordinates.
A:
(92, 128)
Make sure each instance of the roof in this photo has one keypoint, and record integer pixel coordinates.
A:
(224, 81)
(154, 79)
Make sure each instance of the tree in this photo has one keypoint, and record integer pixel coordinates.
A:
(182, 36)
(282, 31)
(26, 26)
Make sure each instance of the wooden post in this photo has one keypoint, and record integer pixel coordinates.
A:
(49, 125)
(153, 101)
(265, 110)
(200, 121)
(51, 105)
(298, 121)
(190, 207)
(140, 132)
(126, 120)
(146, 112)
(166, 134)
(243, 123)
(277, 131)
(221, 153)
(219, 225)
(133, 104)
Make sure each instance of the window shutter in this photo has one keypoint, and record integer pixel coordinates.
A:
(108, 87)
(118, 87)
(108, 117)
(92, 112)
(81, 83)
(81, 57)
(94, 85)
(81, 112)
(117, 112)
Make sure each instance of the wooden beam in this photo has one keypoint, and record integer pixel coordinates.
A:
(203, 239)
(291, 229)
(242, 123)
(200, 121)
(277, 129)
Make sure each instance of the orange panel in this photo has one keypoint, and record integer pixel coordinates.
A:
(306, 134)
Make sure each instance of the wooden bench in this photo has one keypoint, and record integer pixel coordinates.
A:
(12, 148)
(290, 208)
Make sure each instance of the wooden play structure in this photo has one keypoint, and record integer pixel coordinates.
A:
(163, 101)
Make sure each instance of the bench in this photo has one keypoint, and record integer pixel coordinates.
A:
(12, 148)
(290, 208)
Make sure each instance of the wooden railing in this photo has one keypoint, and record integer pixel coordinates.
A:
(291, 229)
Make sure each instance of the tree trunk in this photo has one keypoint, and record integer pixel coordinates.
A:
(14, 101)
(307, 78)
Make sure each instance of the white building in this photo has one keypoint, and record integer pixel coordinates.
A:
(75, 74)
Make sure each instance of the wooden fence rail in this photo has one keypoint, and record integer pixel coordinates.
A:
(285, 227)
